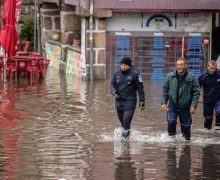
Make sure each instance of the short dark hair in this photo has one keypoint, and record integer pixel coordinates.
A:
(212, 62)
(181, 59)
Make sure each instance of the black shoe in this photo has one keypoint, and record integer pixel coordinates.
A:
(125, 133)
(187, 139)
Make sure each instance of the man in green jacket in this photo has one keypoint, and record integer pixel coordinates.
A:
(180, 96)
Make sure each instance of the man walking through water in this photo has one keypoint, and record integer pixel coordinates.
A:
(125, 84)
(210, 81)
(180, 95)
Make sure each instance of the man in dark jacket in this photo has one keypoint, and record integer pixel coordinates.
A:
(125, 84)
(181, 92)
(210, 81)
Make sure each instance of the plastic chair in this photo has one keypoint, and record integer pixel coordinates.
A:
(44, 64)
(34, 54)
(33, 67)
(26, 46)
(10, 67)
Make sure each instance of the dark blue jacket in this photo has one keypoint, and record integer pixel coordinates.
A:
(127, 84)
(211, 86)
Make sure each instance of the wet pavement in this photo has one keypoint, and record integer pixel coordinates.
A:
(65, 128)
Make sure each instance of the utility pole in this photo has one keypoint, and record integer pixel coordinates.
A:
(91, 39)
(38, 30)
(35, 25)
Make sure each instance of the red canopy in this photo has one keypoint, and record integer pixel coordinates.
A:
(9, 35)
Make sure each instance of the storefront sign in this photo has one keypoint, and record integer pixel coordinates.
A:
(159, 21)
(158, 34)
(122, 33)
(195, 34)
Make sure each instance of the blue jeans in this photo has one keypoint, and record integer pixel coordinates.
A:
(185, 121)
(208, 111)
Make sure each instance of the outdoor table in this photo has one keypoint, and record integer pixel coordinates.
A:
(24, 64)
(32, 64)
(21, 62)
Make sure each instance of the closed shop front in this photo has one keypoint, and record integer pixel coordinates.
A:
(155, 41)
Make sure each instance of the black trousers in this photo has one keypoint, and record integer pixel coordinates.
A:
(125, 117)
(208, 111)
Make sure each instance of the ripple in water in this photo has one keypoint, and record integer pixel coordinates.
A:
(199, 137)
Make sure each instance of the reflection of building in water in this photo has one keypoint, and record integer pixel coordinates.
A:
(178, 167)
(211, 162)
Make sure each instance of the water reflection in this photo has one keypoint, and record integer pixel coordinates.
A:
(178, 162)
(124, 163)
(211, 162)
(124, 166)
(10, 117)
(66, 128)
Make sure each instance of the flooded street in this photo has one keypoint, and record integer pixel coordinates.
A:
(67, 129)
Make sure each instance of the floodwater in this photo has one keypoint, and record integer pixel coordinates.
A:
(67, 129)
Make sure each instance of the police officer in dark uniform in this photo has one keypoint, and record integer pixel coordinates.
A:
(210, 81)
(125, 84)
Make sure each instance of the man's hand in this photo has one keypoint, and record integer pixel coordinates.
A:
(192, 110)
(141, 105)
(115, 94)
(164, 107)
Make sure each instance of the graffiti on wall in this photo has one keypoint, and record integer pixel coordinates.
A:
(53, 52)
(74, 63)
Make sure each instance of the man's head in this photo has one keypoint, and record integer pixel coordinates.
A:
(125, 63)
(212, 67)
(181, 66)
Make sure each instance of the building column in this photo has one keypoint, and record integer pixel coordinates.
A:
(99, 49)
(217, 20)
(70, 24)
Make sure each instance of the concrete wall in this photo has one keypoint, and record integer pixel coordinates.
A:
(183, 22)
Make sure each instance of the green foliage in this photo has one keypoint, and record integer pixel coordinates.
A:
(27, 32)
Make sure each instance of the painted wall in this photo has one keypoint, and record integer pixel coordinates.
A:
(74, 63)
(54, 53)
(182, 22)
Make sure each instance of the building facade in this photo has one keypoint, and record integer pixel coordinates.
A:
(153, 34)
